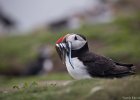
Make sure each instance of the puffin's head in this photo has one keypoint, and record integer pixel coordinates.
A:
(77, 40)
(69, 42)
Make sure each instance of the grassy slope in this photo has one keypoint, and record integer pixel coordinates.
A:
(47, 88)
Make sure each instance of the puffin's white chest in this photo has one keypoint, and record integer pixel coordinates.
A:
(79, 71)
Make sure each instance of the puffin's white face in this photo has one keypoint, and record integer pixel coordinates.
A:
(69, 42)
(76, 41)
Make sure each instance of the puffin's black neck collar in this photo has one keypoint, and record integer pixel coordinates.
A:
(77, 53)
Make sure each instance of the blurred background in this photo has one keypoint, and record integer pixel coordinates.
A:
(30, 68)
(30, 28)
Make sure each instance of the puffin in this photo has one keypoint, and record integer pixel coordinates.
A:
(74, 52)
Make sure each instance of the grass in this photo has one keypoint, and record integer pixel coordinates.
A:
(7, 81)
(47, 87)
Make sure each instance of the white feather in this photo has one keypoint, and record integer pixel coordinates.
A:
(79, 71)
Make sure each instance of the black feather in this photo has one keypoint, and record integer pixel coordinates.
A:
(101, 66)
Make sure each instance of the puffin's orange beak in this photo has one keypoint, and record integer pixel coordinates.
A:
(62, 47)
(60, 40)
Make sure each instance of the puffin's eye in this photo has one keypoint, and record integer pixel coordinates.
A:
(75, 38)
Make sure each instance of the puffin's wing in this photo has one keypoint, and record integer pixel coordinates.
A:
(103, 67)
(125, 69)
(97, 65)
